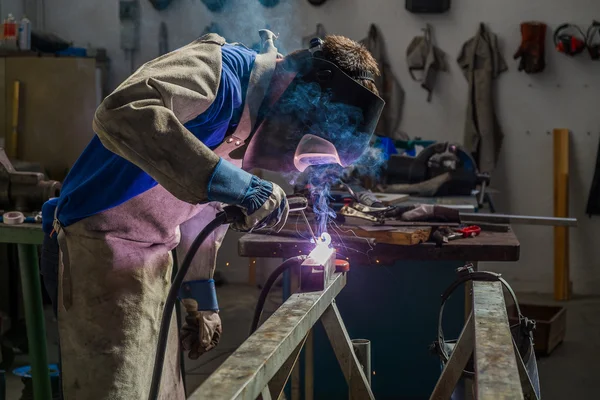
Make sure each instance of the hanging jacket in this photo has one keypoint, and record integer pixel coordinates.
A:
(389, 87)
(422, 55)
(481, 62)
(593, 204)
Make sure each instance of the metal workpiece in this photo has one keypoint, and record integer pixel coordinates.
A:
(248, 371)
(316, 271)
(358, 383)
(517, 219)
(496, 369)
(24, 191)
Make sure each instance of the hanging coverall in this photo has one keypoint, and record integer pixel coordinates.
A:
(482, 62)
(389, 87)
(150, 180)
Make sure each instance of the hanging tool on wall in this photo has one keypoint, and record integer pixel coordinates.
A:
(532, 52)
(269, 3)
(319, 33)
(163, 39)
(389, 87)
(569, 39)
(214, 5)
(592, 40)
(423, 56)
(160, 4)
(316, 2)
(129, 15)
(427, 6)
(482, 62)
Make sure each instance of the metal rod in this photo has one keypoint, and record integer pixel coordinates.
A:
(517, 219)
(362, 349)
(312, 233)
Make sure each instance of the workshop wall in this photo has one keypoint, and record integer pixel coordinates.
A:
(528, 106)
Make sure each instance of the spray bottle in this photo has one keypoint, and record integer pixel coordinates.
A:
(9, 29)
(25, 34)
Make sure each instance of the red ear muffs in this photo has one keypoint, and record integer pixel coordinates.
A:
(569, 39)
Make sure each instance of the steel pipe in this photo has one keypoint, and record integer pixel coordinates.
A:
(517, 219)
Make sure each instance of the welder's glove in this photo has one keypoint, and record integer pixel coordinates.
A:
(431, 213)
(263, 203)
(532, 49)
(201, 331)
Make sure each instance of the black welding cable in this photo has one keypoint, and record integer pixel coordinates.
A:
(179, 322)
(260, 304)
(230, 214)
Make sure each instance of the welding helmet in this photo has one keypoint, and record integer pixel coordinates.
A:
(324, 116)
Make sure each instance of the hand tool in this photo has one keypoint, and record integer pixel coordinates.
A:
(469, 231)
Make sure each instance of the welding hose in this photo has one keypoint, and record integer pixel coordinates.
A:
(229, 215)
(260, 304)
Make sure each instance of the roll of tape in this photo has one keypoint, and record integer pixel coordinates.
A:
(13, 218)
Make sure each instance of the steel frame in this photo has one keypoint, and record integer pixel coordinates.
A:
(499, 369)
(262, 365)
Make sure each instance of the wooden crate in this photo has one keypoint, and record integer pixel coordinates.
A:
(551, 325)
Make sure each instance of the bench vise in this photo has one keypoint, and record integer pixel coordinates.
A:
(24, 191)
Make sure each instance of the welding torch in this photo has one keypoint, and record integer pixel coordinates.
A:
(298, 203)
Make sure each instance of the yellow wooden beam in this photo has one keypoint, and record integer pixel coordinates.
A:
(561, 209)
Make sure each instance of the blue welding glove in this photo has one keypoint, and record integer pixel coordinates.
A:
(263, 203)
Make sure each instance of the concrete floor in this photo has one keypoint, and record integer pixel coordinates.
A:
(570, 372)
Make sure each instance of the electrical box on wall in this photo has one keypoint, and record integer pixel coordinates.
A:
(427, 6)
(129, 15)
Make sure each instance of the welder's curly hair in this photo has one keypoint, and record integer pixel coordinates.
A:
(350, 57)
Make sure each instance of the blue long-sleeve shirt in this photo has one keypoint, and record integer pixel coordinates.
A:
(101, 180)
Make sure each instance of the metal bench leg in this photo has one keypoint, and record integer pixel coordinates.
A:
(458, 360)
(34, 317)
(344, 352)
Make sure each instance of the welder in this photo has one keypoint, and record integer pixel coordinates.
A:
(173, 144)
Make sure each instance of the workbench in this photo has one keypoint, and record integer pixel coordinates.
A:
(27, 237)
(392, 298)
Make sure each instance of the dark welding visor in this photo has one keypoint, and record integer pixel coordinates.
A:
(324, 116)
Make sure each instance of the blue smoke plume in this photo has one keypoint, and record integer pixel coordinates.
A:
(339, 123)
(240, 21)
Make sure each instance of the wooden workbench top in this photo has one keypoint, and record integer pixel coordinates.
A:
(489, 246)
